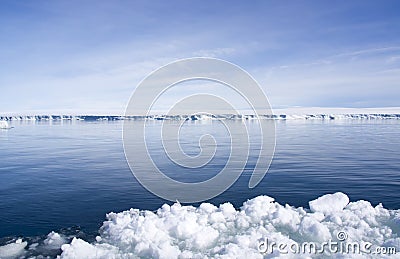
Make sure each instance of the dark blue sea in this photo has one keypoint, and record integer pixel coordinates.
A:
(66, 175)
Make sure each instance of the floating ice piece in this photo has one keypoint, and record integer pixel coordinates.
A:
(13, 250)
(4, 125)
(54, 240)
(81, 249)
(329, 203)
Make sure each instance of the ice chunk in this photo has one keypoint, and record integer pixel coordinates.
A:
(54, 240)
(4, 125)
(13, 250)
(313, 230)
(81, 249)
(329, 203)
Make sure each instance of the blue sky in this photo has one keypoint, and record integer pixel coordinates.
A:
(88, 56)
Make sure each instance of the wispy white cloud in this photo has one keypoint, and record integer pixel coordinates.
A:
(393, 59)
(367, 51)
(218, 52)
(335, 80)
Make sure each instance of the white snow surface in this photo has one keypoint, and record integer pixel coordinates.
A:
(54, 240)
(329, 203)
(13, 250)
(293, 113)
(209, 231)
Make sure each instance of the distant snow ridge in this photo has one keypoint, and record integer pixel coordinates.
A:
(222, 232)
(202, 117)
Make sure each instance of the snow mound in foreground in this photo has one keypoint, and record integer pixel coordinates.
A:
(222, 232)
(209, 231)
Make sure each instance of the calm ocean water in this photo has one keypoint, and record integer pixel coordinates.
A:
(68, 175)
